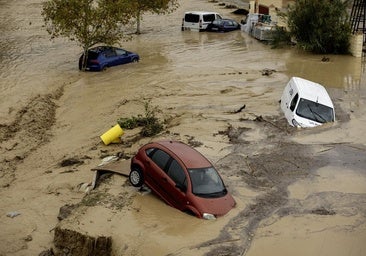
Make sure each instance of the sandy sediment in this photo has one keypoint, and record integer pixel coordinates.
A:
(291, 186)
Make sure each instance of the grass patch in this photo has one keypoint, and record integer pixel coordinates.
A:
(150, 123)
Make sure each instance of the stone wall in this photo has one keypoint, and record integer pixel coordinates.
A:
(356, 45)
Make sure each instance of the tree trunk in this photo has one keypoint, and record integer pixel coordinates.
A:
(138, 22)
(82, 65)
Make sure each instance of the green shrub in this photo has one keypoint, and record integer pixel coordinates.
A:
(128, 123)
(281, 37)
(320, 26)
(150, 123)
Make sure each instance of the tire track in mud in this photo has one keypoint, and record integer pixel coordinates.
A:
(27, 132)
(270, 173)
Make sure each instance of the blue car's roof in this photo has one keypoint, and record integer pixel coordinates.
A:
(101, 48)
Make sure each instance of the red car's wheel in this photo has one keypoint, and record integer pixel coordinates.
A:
(136, 177)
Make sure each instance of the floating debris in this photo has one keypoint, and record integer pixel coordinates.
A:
(12, 214)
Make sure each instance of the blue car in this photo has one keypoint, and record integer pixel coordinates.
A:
(223, 25)
(102, 57)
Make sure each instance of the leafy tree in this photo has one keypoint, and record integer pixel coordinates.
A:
(153, 6)
(320, 26)
(89, 22)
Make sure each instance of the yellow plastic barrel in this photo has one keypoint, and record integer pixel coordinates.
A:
(112, 135)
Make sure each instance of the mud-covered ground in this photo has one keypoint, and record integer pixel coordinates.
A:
(298, 192)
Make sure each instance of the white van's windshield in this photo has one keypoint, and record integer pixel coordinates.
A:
(315, 111)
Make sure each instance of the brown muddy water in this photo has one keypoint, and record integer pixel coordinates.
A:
(298, 192)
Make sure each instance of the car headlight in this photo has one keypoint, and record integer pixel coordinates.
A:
(295, 123)
(209, 216)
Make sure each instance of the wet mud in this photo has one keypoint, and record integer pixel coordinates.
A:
(32, 124)
(217, 92)
(273, 173)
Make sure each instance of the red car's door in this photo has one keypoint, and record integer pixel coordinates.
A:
(176, 184)
(156, 178)
(167, 178)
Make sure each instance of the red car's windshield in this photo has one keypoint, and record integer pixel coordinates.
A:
(206, 182)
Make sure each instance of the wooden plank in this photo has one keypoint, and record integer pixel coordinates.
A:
(120, 167)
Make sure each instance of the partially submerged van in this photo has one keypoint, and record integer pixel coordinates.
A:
(306, 104)
(198, 20)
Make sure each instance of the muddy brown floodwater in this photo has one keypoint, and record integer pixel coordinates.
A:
(298, 192)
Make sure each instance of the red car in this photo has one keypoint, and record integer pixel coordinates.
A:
(182, 177)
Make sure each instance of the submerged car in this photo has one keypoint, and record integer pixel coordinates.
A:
(223, 25)
(182, 177)
(101, 57)
(306, 103)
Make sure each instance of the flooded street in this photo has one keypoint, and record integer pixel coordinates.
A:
(298, 191)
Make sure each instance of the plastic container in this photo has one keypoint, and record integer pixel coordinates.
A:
(112, 135)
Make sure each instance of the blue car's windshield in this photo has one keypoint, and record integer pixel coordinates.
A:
(206, 182)
(315, 111)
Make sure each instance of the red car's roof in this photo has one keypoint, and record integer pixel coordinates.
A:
(190, 157)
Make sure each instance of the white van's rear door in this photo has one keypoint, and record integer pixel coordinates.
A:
(289, 101)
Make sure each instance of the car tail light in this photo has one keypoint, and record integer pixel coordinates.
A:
(94, 61)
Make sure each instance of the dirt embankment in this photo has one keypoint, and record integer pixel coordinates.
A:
(29, 130)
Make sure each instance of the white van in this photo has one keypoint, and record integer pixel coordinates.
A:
(306, 104)
(198, 20)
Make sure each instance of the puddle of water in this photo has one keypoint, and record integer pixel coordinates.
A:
(150, 227)
(346, 70)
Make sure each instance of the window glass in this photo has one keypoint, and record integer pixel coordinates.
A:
(293, 102)
(109, 53)
(191, 17)
(149, 151)
(176, 172)
(315, 111)
(160, 158)
(208, 17)
(206, 182)
(92, 55)
(120, 52)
